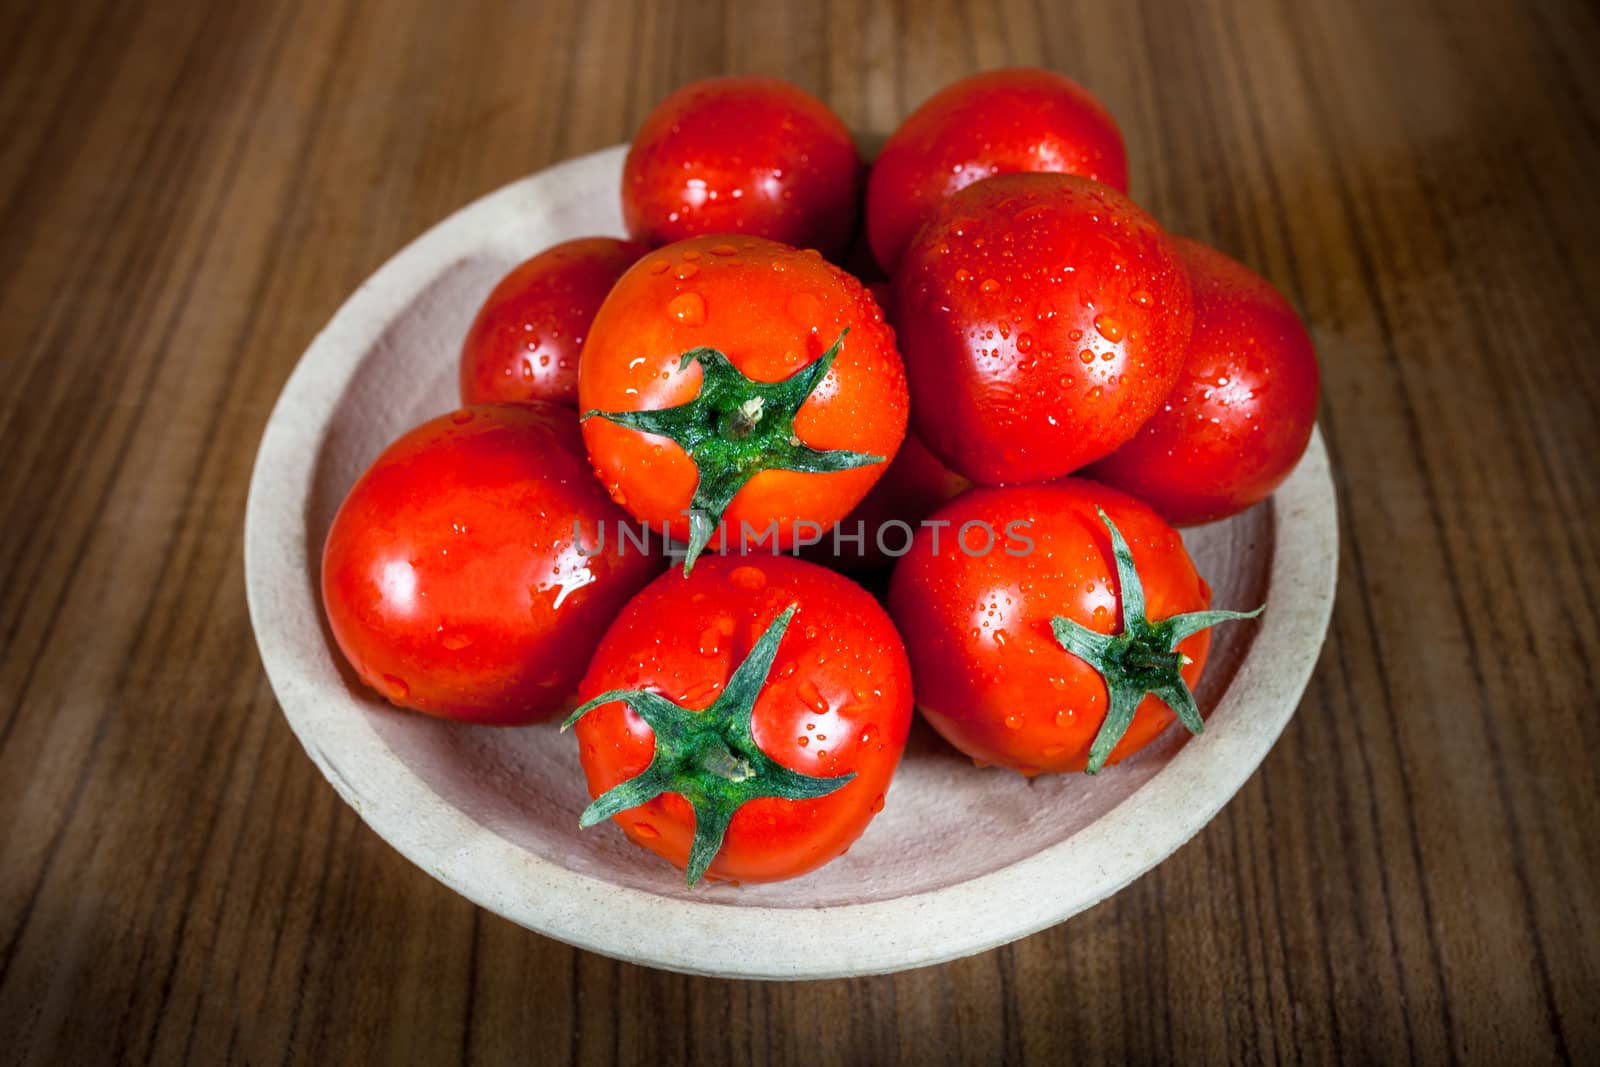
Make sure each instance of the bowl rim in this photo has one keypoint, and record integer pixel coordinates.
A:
(691, 936)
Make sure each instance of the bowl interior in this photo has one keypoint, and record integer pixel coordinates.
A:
(525, 784)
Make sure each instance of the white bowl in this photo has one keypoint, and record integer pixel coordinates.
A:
(960, 860)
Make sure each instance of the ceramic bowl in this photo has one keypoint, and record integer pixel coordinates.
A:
(960, 859)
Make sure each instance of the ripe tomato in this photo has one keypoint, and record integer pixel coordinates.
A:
(742, 380)
(451, 576)
(746, 155)
(998, 122)
(525, 341)
(989, 634)
(753, 712)
(1043, 318)
(1243, 407)
(879, 530)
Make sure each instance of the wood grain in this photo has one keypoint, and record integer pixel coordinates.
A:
(188, 191)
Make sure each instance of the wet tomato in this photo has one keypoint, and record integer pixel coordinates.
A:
(1242, 411)
(1043, 319)
(739, 381)
(1057, 649)
(525, 341)
(743, 722)
(747, 155)
(452, 578)
(998, 122)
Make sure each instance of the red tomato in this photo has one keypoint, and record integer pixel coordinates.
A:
(524, 344)
(779, 434)
(451, 576)
(915, 484)
(1043, 318)
(1241, 413)
(883, 293)
(999, 122)
(783, 730)
(745, 155)
(991, 673)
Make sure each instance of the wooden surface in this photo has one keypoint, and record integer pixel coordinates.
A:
(187, 192)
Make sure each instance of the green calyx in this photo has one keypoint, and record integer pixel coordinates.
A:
(735, 428)
(709, 757)
(1140, 660)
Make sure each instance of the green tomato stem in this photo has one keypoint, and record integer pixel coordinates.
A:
(735, 428)
(1143, 659)
(709, 757)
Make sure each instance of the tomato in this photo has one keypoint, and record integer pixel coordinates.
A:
(1241, 413)
(753, 712)
(879, 529)
(745, 155)
(883, 293)
(998, 122)
(524, 342)
(773, 367)
(1008, 649)
(1043, 318)
(451, 576)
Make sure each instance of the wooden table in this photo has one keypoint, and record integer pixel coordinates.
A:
(187, 192)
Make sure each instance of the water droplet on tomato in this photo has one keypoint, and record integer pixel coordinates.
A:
(1014, 721)
(1143, 299)
(812, 697)
(750, 579)
(869, 734)
(1108, 327)
(1024, 343)
(461, 418)
(877, 804)
(804, 309)
(396, 686)
(712, 636)
(724, 250)
(687, 271)
(1064, 717)
(644, 829)
(691, 255)
(700, 693)
(687, 308)
(659, 266)
(456, 642)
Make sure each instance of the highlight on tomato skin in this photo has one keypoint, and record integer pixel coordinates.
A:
(1242, 410)
(836, 702)
(451, 578)
(525, 341)
(989, 672)
(1043, 319)
(743, 154)
(997, 122)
